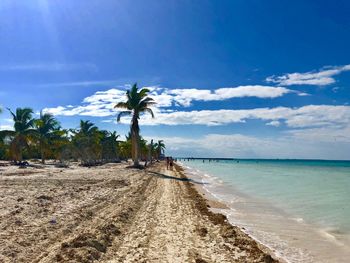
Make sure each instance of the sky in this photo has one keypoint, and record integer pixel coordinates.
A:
(239, 79)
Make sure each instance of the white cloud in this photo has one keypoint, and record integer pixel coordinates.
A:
(101, 104)
(322, 77)
(274, 123)
(306, 116)
(308, 134)
(184, 97)
(6, 124)
(50, 66)
(331, 134)
(242, 146)
(6, 127)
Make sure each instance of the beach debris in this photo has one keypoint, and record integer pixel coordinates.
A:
(203, 231)
(268, 259)
(200, 260)
(53, 221)
(228, 231)
(44, 197)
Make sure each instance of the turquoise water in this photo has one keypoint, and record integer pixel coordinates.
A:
(312, 192)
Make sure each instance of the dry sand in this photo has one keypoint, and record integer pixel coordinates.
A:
(112, 213)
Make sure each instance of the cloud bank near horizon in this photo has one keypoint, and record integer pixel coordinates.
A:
(244, 146)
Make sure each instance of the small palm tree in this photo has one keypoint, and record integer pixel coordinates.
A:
(110, 144)
(86, 140)
(48, 129)
(137, 103)
(87, 128)
(23, 131)
(160, 146)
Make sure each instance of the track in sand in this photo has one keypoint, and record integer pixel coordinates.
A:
(113, 214)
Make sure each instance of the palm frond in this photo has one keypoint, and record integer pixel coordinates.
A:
(122, 105)
(123, 113)
(13, 115)
(143, 92)
(149, 111)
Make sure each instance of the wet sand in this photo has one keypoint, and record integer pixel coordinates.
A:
(112, 213)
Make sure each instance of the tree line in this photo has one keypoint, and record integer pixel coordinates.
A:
(44, 138)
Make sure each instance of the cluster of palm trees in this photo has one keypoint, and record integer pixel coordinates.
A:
(44, 138)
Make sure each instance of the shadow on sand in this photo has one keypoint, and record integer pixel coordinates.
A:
(164, 176)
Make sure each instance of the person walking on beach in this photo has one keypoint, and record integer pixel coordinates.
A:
(171, 163)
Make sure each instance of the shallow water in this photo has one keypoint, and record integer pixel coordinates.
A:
(300, 209)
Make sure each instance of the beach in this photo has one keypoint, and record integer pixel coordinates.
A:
(112, 213)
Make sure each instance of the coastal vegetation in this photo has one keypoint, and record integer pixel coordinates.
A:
(20, 137)
(44, 138)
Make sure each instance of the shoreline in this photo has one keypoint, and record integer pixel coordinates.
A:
(288, 238)
(216, 206)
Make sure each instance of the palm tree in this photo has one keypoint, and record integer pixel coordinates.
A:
(137, 103)
(23, 130)
(47, 128)
(160, 146)
(61, 147)
(109, 142)
(87, 128)
(86, 140)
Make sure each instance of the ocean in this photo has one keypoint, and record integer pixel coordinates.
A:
(300, 209)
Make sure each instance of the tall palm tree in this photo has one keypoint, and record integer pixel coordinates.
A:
(47, 128)
(160, 146)
(23, 130)
(137, 103)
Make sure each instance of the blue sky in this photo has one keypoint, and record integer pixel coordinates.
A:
(244, 78)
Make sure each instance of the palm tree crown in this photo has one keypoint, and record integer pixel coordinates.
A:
(46, 124)
(137, 102)
(87, 128)
(23, 121)
(23, 129)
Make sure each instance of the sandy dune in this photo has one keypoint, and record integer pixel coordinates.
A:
(113, 214)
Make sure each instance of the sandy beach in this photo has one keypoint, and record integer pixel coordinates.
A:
(112, 213)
